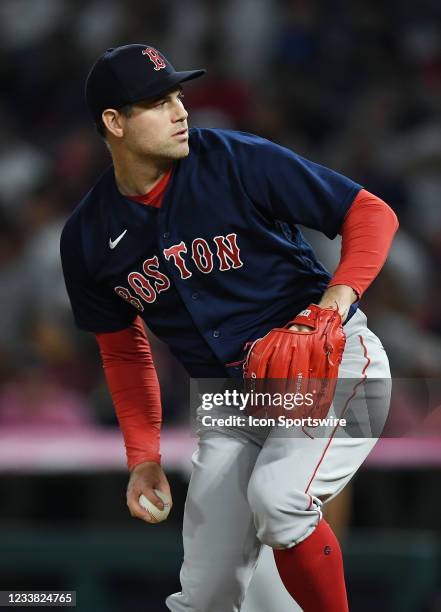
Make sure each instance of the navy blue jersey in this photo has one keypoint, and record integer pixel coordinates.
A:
(220, 263)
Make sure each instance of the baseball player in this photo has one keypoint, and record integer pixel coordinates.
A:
(195, 232)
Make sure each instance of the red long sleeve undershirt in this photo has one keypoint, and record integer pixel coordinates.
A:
(367, 233)
(134, 387)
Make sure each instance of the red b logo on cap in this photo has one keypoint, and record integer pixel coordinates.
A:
(154, 57)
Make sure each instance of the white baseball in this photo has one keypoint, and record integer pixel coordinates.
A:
(159, 515)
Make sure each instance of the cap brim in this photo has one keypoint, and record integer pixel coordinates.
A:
(188, 75)
(167, 84)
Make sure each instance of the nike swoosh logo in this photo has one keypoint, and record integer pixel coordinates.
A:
(113, 243)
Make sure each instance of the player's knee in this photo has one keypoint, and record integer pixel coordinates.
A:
(210, 588)
(281, 523)
(266, 513)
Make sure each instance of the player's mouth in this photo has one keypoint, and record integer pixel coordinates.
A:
(182, 134)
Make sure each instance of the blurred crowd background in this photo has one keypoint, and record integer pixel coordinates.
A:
(352, 84)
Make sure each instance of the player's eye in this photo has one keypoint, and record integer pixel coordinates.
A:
(164, 101)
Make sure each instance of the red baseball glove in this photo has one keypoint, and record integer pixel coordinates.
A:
(301, 361)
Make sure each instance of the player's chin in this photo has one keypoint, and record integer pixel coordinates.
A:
(180, 150)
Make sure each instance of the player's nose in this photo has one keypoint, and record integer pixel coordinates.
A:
(179, 112)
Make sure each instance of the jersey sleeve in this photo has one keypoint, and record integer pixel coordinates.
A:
(95, 306)
(293, 189)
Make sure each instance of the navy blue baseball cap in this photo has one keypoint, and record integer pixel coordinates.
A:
(129, 74)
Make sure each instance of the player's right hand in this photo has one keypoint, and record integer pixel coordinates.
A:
(144, 478)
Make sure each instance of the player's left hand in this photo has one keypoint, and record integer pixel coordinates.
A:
(303, 357)
(340, 297)
(299, 328)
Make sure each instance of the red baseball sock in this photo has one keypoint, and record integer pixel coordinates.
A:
(312, 572)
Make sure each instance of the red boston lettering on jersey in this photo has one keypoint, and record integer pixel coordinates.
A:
(176, 251)
(162, 282)
(142, 286)
(128, 297)
(202, 256)
(228, 254)
(154, 57)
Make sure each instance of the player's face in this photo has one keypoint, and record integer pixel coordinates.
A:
(159, 128)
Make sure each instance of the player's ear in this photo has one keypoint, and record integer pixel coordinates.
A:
(113, 120)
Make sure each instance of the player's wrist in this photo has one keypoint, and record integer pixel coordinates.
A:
(143, 464)
(339, 296)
